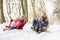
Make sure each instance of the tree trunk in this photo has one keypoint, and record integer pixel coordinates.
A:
(33, 6)
(42, 9)
(25, 8)
(2, 19)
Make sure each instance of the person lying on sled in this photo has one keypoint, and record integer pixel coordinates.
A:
(40, 23)
(18, 23)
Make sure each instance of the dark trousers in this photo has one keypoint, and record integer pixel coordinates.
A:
(45, 24)
(12, 28)
(39, 24)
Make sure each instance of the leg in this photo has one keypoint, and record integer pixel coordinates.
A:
(34, 24)
(12, 28)
(46, 23)
(40, 27)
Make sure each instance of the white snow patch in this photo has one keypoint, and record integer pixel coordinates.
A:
(28, 34)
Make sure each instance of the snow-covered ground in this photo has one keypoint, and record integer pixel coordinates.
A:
(27, 34)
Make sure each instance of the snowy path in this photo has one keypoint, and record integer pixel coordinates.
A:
(28, 34)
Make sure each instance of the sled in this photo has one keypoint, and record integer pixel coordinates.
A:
(44, 29)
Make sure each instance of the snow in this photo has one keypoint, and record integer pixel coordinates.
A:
(28, 34)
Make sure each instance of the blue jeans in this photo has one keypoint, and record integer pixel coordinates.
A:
(45, 24)
(39, 24)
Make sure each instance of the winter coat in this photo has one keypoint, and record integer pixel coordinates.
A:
(18, 25)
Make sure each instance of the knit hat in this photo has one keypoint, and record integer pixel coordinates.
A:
(22, 16)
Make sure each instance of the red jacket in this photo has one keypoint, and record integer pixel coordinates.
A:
(19, 26)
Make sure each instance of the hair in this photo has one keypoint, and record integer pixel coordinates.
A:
(11, 20)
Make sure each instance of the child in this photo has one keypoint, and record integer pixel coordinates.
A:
(13, 24)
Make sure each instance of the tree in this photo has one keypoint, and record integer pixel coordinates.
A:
(24, 8)
(33, 6)
(1, 12)
(42, 8)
